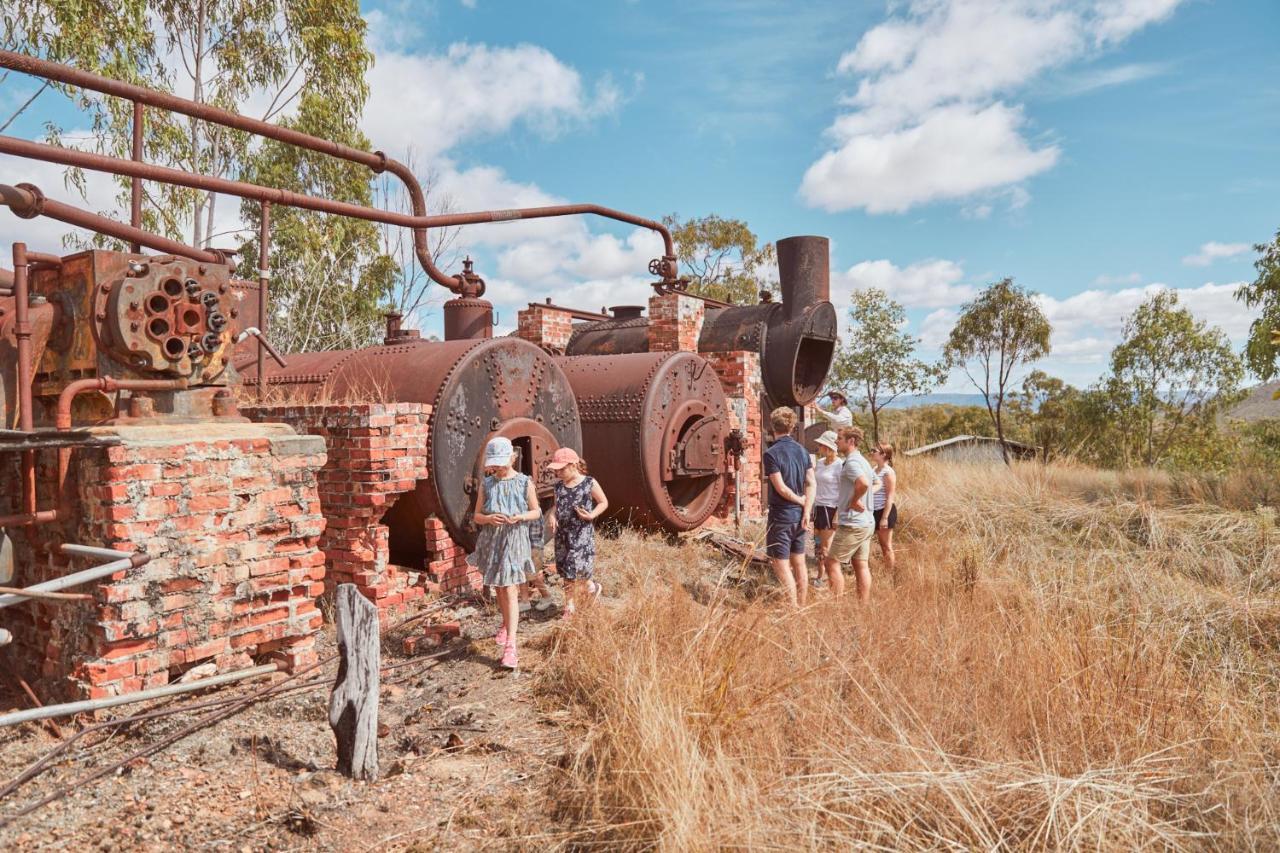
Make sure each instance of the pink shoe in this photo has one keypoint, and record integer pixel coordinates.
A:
(509, 659)
(501, 637)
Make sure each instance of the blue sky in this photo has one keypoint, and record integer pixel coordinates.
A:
(1091, 149)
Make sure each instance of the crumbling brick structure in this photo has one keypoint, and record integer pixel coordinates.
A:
(377, 454)
(231, 519)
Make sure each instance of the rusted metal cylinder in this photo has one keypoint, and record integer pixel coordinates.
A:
(654, 427)
(477, 389)
(795, 338)
(467, 319)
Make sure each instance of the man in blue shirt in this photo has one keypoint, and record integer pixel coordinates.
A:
(791, 491)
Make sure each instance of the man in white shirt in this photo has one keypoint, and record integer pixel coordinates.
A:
(840, 415)
(855, 522)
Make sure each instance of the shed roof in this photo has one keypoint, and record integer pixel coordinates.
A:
(969, 439)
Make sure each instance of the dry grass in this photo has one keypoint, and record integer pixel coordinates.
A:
(1065, 662)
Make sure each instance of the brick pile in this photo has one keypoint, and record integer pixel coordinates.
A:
(675, 322)
(230, 516)
(545, 327)
(376, 453)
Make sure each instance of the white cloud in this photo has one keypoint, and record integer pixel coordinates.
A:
(951, 153)
(435, 101)
(1104, 78)
(1105, 280)
(924, 284)
(1215, 251)
(929, 119)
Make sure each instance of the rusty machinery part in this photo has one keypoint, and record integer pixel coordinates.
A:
(124, 314)
(654, 431)
(419, 221)
(795, 338)
(168, 316)
(477, 389)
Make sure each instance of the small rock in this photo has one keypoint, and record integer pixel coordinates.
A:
(383, 729)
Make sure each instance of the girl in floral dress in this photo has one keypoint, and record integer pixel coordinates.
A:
(579, 501)
(505, 502)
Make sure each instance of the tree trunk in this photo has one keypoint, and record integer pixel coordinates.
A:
(353, 704)
(1004, 451)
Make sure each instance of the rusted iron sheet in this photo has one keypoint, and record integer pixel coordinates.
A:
(654, 427)
(477, 389)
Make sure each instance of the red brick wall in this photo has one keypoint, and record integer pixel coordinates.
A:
(545, 327)
(376, 452)
(230, 516)
(739, 372)
(675, 322)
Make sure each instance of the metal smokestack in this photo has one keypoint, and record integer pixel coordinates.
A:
(804, 273)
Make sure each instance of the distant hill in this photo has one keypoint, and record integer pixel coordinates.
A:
(917, 400)
(1258, 405)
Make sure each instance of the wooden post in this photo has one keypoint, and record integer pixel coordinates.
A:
(353, 704)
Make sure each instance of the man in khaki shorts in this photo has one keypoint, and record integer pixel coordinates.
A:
(855, 524)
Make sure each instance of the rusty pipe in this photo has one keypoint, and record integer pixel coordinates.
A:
(575, 313)
(375, 161)
(264, 277)
(27, 202)
(62, 419)
(22, 335)
(135, 184)
(418, 222)
(262, 339)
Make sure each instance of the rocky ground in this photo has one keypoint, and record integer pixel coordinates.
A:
(466, 755)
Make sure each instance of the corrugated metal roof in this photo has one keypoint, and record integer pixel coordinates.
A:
(961, 439)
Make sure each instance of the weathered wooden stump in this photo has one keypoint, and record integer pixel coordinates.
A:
(353, 704)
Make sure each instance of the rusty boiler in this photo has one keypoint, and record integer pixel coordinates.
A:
(795, 338)
(654, 430)
(478, 388)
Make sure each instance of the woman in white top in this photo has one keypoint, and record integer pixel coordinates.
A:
(826, 469)
(840, 415)
(883, 503)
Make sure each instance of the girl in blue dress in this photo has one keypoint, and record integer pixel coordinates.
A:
(579, 501)
(506, 501)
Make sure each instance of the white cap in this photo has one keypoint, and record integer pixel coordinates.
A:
(498, 452)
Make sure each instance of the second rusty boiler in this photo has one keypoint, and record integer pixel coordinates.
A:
(795, 338)
(654, 429)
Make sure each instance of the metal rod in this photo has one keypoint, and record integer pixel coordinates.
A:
(264, 278)
(135, 185)
(262, 339)
(69, 708)
(90, 551)
(50, 596)
(73, 579)
(22, 334)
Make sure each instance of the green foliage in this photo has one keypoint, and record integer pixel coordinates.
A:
(878, 363)
(222, 51)
(920, 425)
(1044, 408)
(998, 332)
(1264, 293)
(1172, 376)
(330, 279)
(721, 258)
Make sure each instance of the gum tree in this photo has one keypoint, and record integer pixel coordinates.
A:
(1000, 331)
(878, 363)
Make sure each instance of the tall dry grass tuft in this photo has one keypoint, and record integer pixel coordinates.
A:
(1061, 664)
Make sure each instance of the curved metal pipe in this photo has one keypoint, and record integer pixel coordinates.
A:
(375, 161)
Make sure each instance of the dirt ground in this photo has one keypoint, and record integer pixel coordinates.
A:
(466, 749)
(468, 759)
